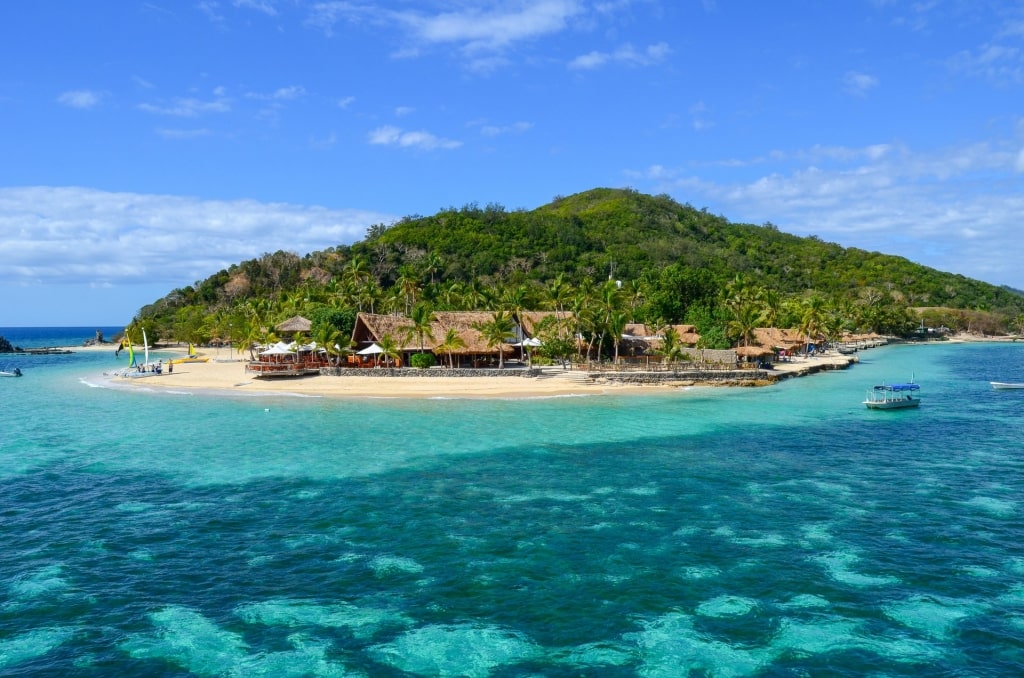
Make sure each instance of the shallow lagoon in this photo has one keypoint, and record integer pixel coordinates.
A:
(723, 532)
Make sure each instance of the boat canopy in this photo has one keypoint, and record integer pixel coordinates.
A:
(898, 387)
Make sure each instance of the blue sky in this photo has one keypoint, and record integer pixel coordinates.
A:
(147, 145)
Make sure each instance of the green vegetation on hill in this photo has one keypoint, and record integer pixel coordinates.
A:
(608, 255)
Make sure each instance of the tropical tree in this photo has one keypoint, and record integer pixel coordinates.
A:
(389, 349)
(452, 342)
(495, 331)
(422, 317)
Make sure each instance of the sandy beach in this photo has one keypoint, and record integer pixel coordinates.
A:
(225, 373)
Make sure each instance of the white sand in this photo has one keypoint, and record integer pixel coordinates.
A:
(226, 372)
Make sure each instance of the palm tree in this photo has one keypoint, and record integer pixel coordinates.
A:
(452, 342)
(495, 331)
(422, 318)
(744, 322)
(389, 349)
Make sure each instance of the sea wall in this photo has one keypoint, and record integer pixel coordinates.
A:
(517, 372)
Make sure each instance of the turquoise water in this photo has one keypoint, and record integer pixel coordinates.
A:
(782, 531)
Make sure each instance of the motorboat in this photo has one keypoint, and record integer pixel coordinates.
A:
(1005, 386)
(16, 372)
(893, 396)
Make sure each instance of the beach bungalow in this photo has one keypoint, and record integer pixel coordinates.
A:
(371, 329)
(288, 360)
(641, 339)
(781, 341)
(294, 324)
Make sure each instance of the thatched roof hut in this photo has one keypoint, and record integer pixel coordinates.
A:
(295, 324)
(641, 337)
(778, 338)
(371, 327)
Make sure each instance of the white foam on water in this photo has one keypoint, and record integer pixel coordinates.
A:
(188, 639)
(32, 644)
(726, 606)
(455, 650)
(386, 566)
(670, 647)
(40, 583)
(837, 566)
(934, 616)
(999, 508)
(806, 601)
(363, 622)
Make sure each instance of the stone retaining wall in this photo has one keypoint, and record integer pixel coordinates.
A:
(517, 372)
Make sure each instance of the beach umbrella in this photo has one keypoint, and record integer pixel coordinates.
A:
(372, 349)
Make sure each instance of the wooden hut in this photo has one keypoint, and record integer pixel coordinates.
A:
(371, 328)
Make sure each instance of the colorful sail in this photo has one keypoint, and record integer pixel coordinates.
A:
(131, 352)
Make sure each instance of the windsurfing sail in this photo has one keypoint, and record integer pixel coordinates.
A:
(191, 350)
(131, 352)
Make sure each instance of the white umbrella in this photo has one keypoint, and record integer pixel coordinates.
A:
(531, 341)
(372, 349)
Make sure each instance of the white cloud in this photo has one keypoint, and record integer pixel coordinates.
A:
(188, 107)
(345, 102)
(403, 111)
(498, 130)
(389, 135)
(83, 99)
(626, 54)
(859, 84)
(955, 209)
(485, 30)
(474, 29)
(70, 235)
(264, 6)
(281, 94)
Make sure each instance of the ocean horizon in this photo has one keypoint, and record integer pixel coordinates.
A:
(774, 531)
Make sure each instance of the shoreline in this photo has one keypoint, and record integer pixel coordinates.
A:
(225, 374)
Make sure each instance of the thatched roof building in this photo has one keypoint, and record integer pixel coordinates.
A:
(639, 337)
(371, 327)
(295, 324)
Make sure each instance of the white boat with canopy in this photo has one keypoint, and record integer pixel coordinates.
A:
(893, 396)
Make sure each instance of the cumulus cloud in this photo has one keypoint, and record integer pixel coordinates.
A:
(859, 84)
(486, 27)
(188, 107)
(389, 135)
(82, 98)
(70, 235)
(626, 54)
(281, 94)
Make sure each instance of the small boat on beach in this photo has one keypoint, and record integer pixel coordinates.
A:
(16, 372)
(893, 396)
(1005, 386)
(192, 357)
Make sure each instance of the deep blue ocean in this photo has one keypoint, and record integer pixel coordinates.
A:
(778, 531)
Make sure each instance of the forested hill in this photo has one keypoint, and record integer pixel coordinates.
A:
(674, 262)
(626, 235)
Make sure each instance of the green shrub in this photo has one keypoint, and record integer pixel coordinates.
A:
(422, 360)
